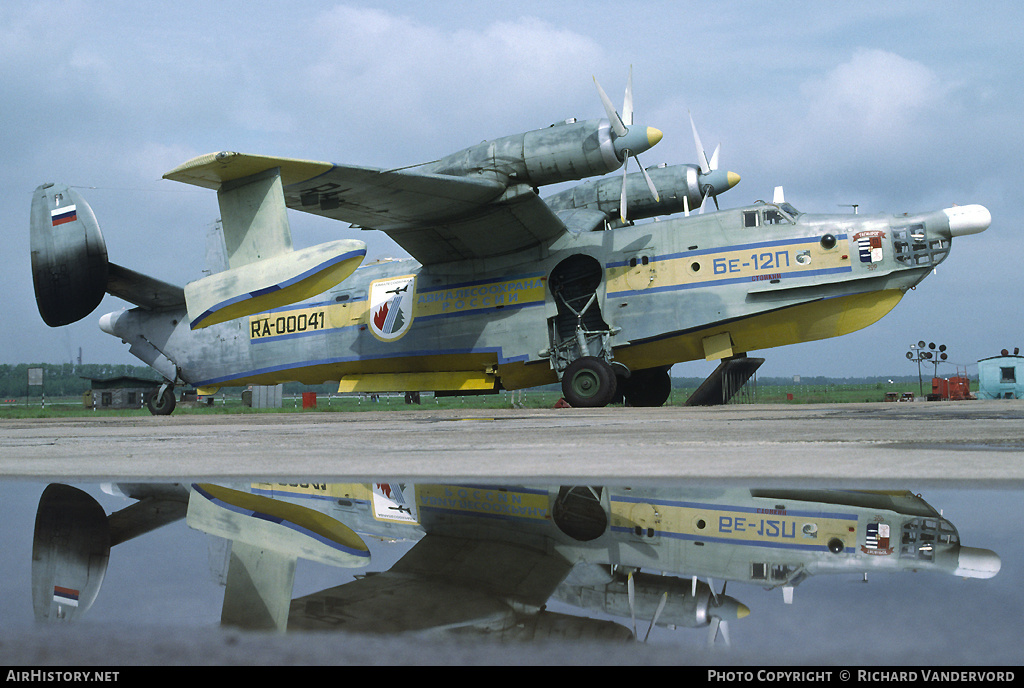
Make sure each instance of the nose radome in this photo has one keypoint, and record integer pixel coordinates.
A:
(968, 219)
(974, 562)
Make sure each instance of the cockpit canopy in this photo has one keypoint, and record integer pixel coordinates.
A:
(770, 214)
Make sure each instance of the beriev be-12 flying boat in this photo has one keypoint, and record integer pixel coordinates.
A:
(488, 559)
(505, 290)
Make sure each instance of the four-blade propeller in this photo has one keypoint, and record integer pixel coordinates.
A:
(630, 140)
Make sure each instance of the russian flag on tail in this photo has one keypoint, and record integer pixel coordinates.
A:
(67, 596)
(60, 216)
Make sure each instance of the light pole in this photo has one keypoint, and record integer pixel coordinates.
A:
(934, 354)
(919, 356)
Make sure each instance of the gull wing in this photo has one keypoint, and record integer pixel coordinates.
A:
(441, 583)
(436, 218)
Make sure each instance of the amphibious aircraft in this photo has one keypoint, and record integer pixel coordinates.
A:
(505, 290)
(488, 559)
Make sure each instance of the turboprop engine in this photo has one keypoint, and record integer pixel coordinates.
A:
(565, 151)
(665, 600)
(680, 189)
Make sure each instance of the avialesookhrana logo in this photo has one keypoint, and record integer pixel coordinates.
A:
(391, 303)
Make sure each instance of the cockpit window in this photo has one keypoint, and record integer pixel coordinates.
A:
(922, 536)
(770, 214)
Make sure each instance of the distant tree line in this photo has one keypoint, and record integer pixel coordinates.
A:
(63, 379)
(808, 381)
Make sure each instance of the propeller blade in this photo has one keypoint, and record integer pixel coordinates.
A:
(686, 212)
(714, 158)
(713, 631)
(693, 583)
(711, 585)
(650, 182)
(627, 102)
(724, 627)
(705, 166)
(622, 205)
(657, 613)
(778, 196)
(617, 126)
(632, 609)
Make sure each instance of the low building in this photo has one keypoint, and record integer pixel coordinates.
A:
(119, 392)
(1001, 377)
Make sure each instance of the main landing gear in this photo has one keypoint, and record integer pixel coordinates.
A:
(589, 382)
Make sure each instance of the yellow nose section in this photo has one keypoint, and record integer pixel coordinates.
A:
(653, 135)
(732, 178)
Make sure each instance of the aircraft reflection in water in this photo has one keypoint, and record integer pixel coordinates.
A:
(488, 559)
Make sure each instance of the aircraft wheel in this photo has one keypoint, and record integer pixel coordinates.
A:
(161, 403)
(588, 382)
(649, 388)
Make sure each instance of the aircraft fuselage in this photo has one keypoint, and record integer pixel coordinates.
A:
(704, 286)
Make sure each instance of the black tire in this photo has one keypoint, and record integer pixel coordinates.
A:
(649, 388)
(161, 404)
(588, 382)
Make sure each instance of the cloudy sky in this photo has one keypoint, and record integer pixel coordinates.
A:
(895, 106)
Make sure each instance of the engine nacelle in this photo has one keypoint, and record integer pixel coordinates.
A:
(562, 152)
(683, 608)
(69, 256)
(680, 188)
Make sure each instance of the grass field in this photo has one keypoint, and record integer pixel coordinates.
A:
(230, 401)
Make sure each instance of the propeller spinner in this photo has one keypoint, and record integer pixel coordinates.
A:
(629, 140)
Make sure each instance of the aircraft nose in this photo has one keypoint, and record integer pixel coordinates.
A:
(974, 562)
(967, 219)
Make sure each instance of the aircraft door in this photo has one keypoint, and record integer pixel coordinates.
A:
(581, 348)
(574, 284)
(580, 512)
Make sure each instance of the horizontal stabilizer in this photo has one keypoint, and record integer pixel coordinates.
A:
(271, 283)
(142, 290)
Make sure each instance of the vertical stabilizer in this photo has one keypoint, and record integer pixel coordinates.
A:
(254, 218)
